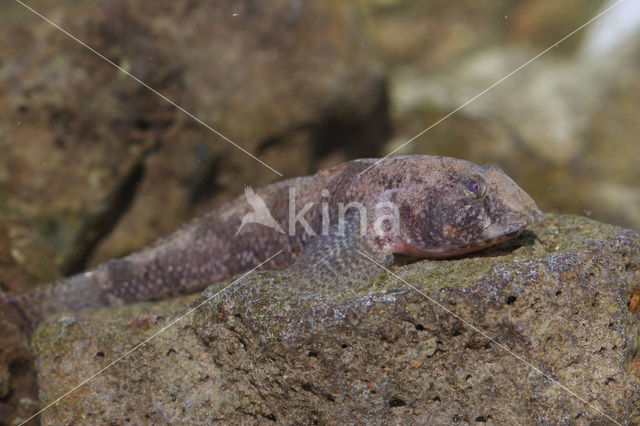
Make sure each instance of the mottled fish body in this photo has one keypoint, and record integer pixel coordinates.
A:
(441, 206)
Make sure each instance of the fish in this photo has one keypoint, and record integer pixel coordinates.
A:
(330, 227)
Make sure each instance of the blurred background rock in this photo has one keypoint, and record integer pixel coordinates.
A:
(93, 165)
(566, 127)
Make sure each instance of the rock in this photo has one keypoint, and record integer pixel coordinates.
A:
(560, 297)
(95, 162)
(436, 35)
(18, 390)
(612, 152)
(24, 262)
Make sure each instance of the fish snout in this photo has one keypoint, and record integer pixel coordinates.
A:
(537, 214)
(534, 214)
(511, 224)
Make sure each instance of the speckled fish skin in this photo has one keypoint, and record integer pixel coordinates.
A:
(439, 217)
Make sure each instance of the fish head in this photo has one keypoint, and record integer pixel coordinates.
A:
(460, 208)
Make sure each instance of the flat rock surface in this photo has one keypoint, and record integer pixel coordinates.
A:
(543, 329)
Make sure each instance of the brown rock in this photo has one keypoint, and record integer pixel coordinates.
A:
(556, 297)
(24, 262)
(436, 35)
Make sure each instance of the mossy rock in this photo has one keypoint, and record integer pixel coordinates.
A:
(521, 333)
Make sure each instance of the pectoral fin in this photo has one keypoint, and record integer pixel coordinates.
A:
(340, 259)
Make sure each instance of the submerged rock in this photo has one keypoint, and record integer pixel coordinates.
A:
(558, 300)
(24, 261)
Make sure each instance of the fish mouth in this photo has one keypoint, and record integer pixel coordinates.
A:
(512, 224)
(509, 227)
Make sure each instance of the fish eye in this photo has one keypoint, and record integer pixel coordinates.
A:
(474, 186)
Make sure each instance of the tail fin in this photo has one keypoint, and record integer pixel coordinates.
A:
(75, 293)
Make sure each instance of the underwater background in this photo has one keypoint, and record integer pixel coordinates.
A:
(95, 164)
